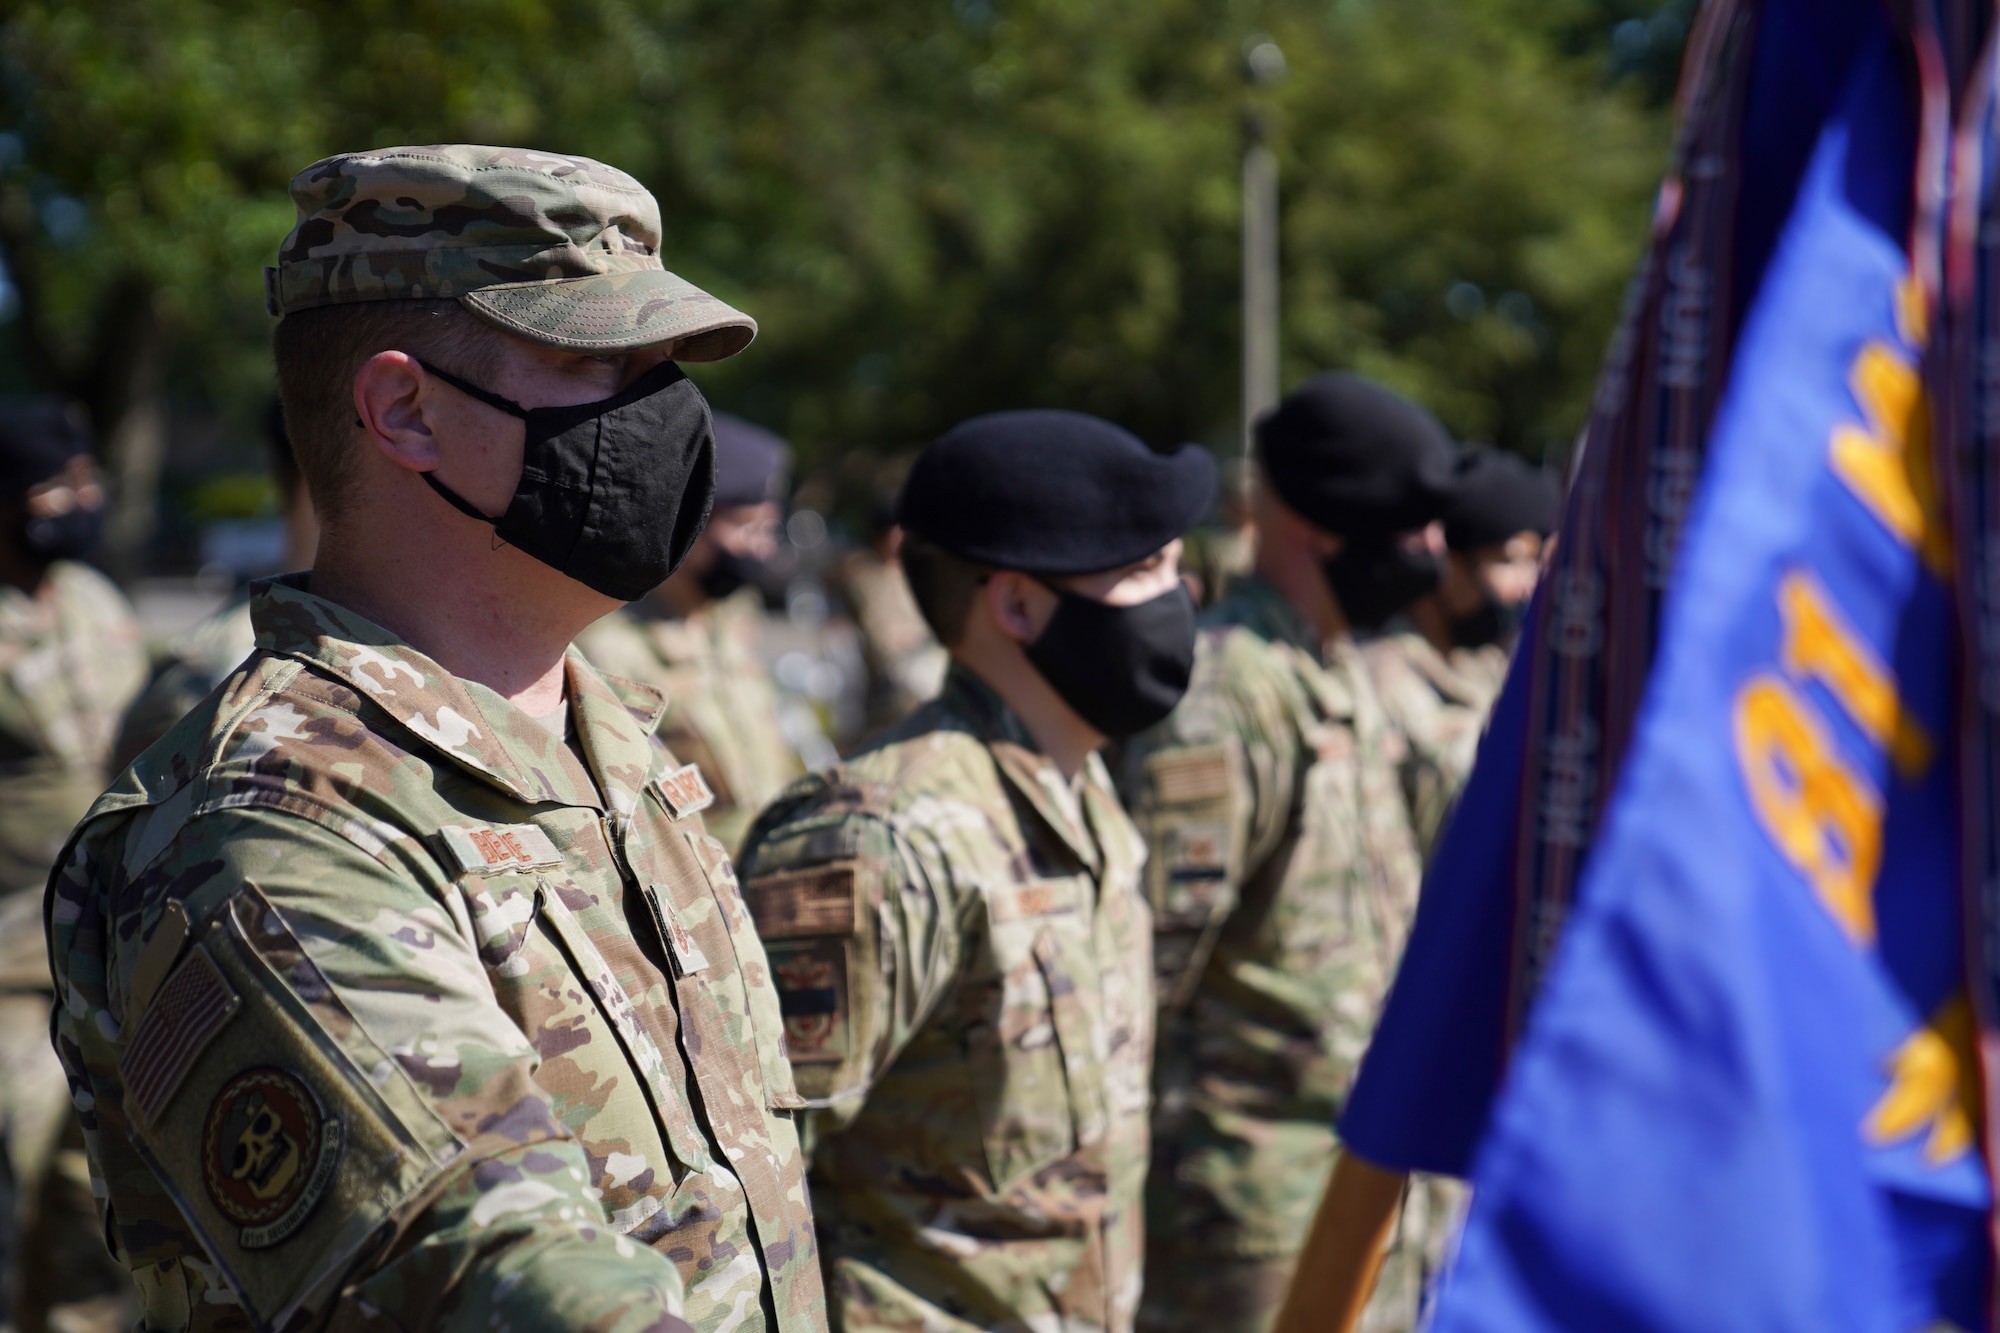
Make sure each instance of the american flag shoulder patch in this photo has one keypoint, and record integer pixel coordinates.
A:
(192, 1005)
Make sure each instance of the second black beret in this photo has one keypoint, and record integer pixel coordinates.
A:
(1049, 492)
(1355, 458)
(1496, 495)
(750, 463)
(38, 437)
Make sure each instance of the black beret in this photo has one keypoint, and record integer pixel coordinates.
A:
(1354, 458)
(1053, 493)
(1495, 495)
(38, 437)
(749, 463)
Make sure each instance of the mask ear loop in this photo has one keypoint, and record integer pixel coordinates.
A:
(491, 399)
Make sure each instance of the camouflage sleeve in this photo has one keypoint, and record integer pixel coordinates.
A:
(312, 1074)
(1438, 740)
(1211, 789)
(858, 916)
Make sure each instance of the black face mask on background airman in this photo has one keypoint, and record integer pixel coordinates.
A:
(72, 535)
(1122, 668)
(1494, 621)
(1376, 579)
(730, 573)
(612, 493)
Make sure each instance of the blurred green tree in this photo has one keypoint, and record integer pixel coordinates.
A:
(932, 209)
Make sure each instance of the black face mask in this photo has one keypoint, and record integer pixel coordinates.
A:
(612, 493)
(1122, 668)
(1375, 580)
(728, 574)
(68, 536)
(1494, 622)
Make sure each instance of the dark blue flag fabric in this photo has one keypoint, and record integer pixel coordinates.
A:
(1499, 891)
(1705, 983)
(1746, 1099)
(1767, 85)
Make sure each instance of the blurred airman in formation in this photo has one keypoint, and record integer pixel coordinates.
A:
(1439, 667)
(71, 660)
(419, 965)
(202, 656)
(905, 663)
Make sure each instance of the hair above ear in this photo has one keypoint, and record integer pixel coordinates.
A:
(318, 353)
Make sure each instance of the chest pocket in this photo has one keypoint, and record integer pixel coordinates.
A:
(1034, 1046)
(1334, 910)
(1192, 864)
(605, 1074)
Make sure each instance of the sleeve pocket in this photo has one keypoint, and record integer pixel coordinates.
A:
(810, 924)
(290, 1157)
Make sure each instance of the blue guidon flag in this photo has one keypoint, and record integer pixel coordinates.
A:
(1702, 992)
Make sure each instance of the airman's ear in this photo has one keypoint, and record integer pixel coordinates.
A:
(1013, 598)
(390, 408)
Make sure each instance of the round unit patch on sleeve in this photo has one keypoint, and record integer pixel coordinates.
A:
(268, 1153)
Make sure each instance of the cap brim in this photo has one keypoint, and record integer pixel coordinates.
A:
(617, 312)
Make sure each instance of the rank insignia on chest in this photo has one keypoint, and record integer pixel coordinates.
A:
(685, 791)
(483, 850)
(687, 954)
(268, 1154)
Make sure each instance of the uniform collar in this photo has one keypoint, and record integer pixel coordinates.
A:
(1437, 670)
(464, 721)
(1255, 604)
(1070, 813)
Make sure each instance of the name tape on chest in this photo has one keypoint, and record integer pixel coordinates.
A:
(1046, 897)
(802, 904)
(192, 1006)
(484, 849)
(685, 791)
(1189, 775)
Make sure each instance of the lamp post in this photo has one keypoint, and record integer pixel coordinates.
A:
(1263, 65)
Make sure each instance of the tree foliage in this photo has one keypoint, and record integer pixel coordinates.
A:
(932, 209)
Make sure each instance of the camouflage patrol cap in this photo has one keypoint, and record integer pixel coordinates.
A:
(560, 250)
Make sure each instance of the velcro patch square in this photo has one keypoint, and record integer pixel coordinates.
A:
(811, 980)
(803, 903)
(685, 791)
(1190, 774)
(192, 1006)
(483, 849)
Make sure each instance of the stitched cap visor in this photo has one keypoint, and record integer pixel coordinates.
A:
(616, 312)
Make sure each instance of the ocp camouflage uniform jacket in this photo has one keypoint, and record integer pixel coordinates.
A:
(722, 709)
(1283, 876)
(1439, 706)
(965, 962)
(381, 1009)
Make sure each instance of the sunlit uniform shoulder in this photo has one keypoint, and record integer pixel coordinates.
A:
(376, 997)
